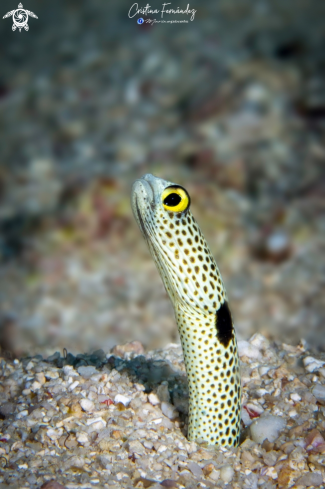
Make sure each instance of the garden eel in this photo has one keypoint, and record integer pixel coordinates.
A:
(194, 285)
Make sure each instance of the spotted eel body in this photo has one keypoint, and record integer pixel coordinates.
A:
(194, 285)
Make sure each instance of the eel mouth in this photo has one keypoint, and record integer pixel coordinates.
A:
(142, 195)
(139, 218)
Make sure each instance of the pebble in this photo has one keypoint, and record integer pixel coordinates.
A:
(318, 391)
(227, 473)
(169, 484)
(153, 399)
(246, 419)
(311, 364)
(22, 413)
(134, 348)
(87, 405)
(40, 377)
(267, 427)
(87, 372)
(123, 399)
(277, 243)
(52, 485)
(255, 407)
(51, 374)
(73, 385)
(314, 440)
(169, 410)
(35, 386)
(214, 475)
(82, 438)
(75, 409)
(248, 350)
(163, 392)
(137, 447)
(270, 458)
(295, 397)
(148, 444)
(99, 422)
(270, 472)
(321, 371)
(259, 341)
(54, 434)
(195, 469)
(311, 479)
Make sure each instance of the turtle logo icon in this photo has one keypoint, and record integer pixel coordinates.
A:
(20, 18)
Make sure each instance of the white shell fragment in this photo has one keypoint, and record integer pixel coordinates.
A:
(82, 438)
(311, 364)
(248, 350)
(87, 405)
(169, 410)
(259, 341)
(153, 399)
(267, 427)
(227, 473)
(35, 386)
(123, 399)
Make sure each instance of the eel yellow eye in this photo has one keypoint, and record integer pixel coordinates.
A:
(175, 199)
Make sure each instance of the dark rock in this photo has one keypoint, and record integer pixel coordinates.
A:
(52, 485)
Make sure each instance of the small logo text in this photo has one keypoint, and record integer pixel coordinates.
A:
(165, 10)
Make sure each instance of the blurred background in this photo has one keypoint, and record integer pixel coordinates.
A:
(231, 106)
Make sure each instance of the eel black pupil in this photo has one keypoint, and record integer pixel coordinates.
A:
(172, 200)
(224, 324)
